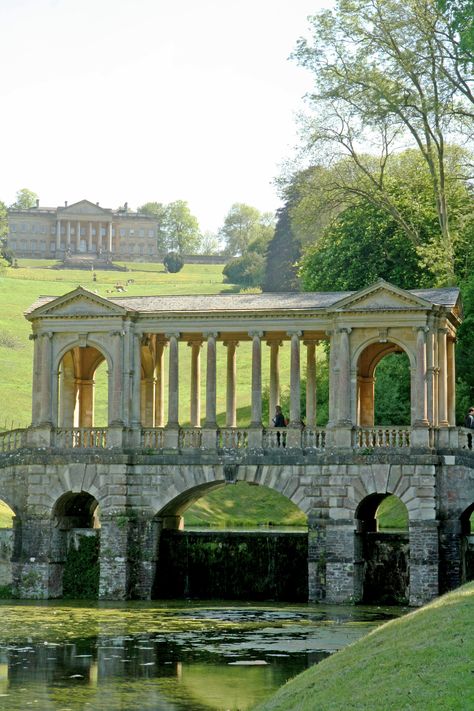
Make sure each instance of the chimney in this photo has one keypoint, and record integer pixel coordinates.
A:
(65, 203)
(37, 202)
(97, 204)
(125, 206)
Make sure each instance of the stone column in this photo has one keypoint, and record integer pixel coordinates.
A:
(68, 235)
(424, 561)
(58, 235)
(450, 553)
(99, 237)
(274, 377)
(256, 421)
(109, 241)
(451, 382)
(116, 416)
(366, 387)
(173, 380)
(148, 402)
(443, 377)
(340, 555)
(333, 373)
(45, 366)
(316, 557)
(295, 414)
(114, 553)
(231, 400)
(344, 381)
(420, 378)
(135, 407)
(90, 236)
(36, 390)
(86, 402)
(211, 380)
(195, 412)
(430, 377)
(311, 408)
(30, 563)
(159, 383)
(78, 236)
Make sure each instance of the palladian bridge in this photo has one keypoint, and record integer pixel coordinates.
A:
(143, 470)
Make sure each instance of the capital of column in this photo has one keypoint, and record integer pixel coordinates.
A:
(276, 342)
(420, 329)
(231, 344)
(255, 334)
(117, 333)
(294, 333)
(210, 334)
(344, 329)
(172, 334)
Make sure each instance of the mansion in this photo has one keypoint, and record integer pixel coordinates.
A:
(83, 228)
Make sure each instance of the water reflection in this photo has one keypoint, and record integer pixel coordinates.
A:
(177, 658)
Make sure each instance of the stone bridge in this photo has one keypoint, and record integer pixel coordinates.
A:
(137, 476)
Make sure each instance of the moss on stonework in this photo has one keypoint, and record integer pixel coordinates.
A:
(81, 571)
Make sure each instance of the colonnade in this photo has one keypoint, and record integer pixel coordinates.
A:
(98, 240)
(152, 385)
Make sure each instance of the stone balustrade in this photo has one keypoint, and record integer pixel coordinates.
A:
(81, 438)
(12, 440)
(376, 437)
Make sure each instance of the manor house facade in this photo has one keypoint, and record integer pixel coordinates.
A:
(83, 228)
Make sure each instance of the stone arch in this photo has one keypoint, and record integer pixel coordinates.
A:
(467, 544)
(270, 546)
(365, 360)
(381, 558)
(75, 365)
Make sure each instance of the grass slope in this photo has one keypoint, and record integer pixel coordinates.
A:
(423, 661)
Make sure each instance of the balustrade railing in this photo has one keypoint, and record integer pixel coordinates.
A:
(275, 437)
(81, 438)
(11, 440)
(190, 438)
(385, 437)
(152, 438)
(232, 438)
(313, 439)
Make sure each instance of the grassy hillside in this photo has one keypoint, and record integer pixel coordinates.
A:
(422, 661)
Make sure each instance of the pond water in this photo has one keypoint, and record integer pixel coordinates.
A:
(173, 656)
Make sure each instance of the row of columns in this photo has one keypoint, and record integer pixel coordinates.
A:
(152, 389)
(99, 242)
(435, 378)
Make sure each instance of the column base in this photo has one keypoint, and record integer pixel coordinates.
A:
(209, 437)
(420, 436)
(255, 437)
(40, 435)
(339, 437)
(171, 437)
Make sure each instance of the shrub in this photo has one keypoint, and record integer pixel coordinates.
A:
(173, 262)
(247, 270)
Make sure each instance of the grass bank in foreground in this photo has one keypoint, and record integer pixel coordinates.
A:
(423, 661)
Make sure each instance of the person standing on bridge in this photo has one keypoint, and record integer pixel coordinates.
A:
(469, 423)
(279, 419)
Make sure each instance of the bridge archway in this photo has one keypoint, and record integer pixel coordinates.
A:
(77, 386)
(381, 555)
(250, 564)
(367, 360)
(75, 545)
(467, 544)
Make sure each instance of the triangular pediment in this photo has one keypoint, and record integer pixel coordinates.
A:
(381, 296)
(83, 207)
(77, 303)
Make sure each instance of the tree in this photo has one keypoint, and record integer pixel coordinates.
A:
(181, 228)
(382, 78)
(247, 270)
(363, 245)
(25, 199)
(209, 244)
(6, 254)
(283, 252)
(173, 262)
(244, 224)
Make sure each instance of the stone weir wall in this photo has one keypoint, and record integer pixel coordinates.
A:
(230, 565)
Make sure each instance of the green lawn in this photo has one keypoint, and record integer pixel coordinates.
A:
(423, 661)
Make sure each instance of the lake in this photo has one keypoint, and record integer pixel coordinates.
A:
(165, 656)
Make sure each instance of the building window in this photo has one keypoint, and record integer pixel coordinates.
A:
(12, 228)
(151, 233)
(33, 227)
(141, 232)
(53, 229)
(43, 246)
(93, 232)
(23, 227)
(132, 232)
(52, 246)
(23, 245)
(83, 231)
(43, 229)
(12, 243)
(102, 232)
(150, 249)
(122, 232)
(113, 231)
(33, 245)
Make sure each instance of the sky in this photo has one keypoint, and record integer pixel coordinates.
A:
(150, 100)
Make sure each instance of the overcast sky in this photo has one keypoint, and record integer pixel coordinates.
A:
(139, 100)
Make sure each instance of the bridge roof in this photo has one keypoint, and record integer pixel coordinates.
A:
(310, 301)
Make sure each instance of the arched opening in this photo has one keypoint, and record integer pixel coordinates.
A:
(7, 520)
(241, 552)
(76, 540)
(83, 388)
(382, 551)
(383, 386)
(467, 544)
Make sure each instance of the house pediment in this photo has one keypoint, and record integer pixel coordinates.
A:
(78, 303)
(381, 296)
(83, 207)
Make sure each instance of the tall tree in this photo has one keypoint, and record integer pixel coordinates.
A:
(157, 210)
(242, 225)
(381, 81)
(181, 228)
(283, 252)
(25, 199)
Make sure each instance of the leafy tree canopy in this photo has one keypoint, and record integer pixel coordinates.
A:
(178, 229)
(25, 199)
(244, 224)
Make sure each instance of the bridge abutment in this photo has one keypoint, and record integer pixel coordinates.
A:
(424, 561)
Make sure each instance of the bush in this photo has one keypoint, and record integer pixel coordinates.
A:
(173, 262)
(247, 270)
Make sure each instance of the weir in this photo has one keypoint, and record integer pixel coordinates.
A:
(135, 477)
